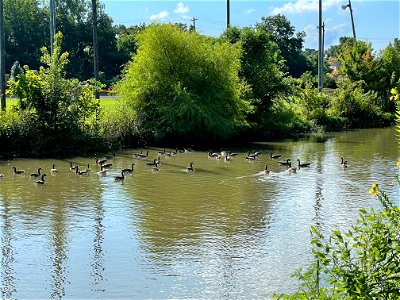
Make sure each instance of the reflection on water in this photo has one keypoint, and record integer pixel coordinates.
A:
(7, 258)
(98, 256)
(226, 230)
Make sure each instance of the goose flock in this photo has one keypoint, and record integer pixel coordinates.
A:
(104, 164)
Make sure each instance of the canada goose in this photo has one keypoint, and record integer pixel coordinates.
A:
(302, 165)
(101, 161)
(343, 163)
(179, 150)
(78, 172)
(227, 158)
(251, 156)
(155, 168)
(120, 178)
(53, 169)
(155, 162)
(107, 166)
(274, 156)
(266, 171)
(19, 172)
(233, 153)
(127, 170)
(41, 181)
(170, 153)
(213, 154)
(190, 167)
(102, 172)
(137, 155)
(35, 174)
(291, 169)
(2, 175)
(141, 155)
(72, 168)
(285, 162)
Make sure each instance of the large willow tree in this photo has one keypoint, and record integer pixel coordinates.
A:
(184, 86)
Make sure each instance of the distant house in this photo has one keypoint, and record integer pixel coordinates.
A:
(334, 65)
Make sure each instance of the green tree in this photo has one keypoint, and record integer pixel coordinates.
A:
(289, 43)
(26, 31)
(127, 39)
(390, 61)
(184, 85)
(261, 68)
(75, 22)
(59, 106)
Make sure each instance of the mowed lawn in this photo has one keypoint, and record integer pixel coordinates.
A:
(106, 102)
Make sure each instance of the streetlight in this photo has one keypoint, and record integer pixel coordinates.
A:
(351, 15)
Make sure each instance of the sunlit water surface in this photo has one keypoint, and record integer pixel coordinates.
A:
(224, 231)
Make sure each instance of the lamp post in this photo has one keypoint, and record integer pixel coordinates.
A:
(351, 15)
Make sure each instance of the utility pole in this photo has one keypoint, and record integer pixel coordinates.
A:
(52, 25)
(194, 22)
(351, 16)
(2, 60)
(320, 54)
(228, 14)
(95, 45)
(323, 40)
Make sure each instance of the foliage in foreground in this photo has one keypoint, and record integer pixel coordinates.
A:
(362, 263)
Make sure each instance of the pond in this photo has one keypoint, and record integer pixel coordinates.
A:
(225, 230)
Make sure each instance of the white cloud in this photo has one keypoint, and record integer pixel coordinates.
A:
(332, 34)
(300, 6)
(181, 8)
(159, 16)
(249, 11)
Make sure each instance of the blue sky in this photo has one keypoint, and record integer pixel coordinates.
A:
(375, 21)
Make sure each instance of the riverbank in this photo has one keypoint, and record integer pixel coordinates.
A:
(23, 135)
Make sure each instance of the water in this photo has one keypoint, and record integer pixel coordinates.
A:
(223, 231)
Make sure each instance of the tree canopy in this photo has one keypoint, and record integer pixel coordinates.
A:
(290, 43)
(184, 84)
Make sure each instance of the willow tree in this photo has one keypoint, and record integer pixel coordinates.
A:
(184, 85)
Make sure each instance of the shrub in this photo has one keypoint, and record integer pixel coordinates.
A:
(358, 107)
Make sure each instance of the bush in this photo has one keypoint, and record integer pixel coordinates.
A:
(359, 108)
(184, 85)
(53, 111)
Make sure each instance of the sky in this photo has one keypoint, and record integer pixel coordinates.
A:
(376, 21)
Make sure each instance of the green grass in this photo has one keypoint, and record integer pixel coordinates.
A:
(10, 102)
(106, 102)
